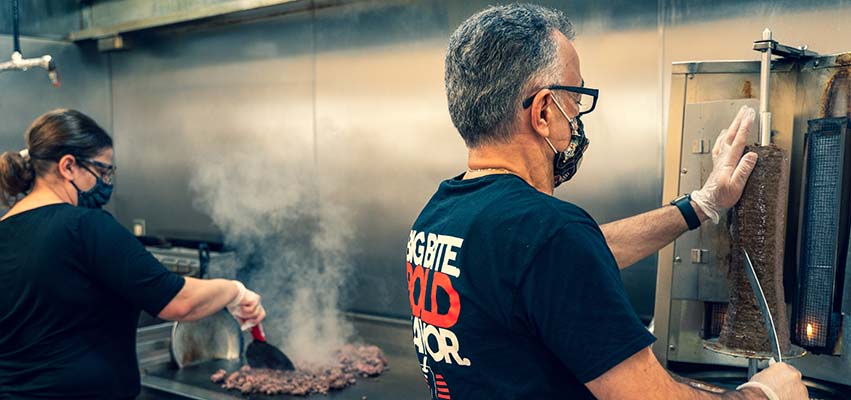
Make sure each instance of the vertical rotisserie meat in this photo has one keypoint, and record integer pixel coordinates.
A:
(759, 225)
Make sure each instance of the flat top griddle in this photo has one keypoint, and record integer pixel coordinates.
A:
(403, 380)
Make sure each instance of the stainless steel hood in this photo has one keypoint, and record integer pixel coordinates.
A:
(106, 20)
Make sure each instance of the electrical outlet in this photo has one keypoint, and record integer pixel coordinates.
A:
(139, 227)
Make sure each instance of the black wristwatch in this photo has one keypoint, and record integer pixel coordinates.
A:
(683, 203)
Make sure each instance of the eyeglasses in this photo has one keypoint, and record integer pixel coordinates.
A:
(106, 171)
(585, 98)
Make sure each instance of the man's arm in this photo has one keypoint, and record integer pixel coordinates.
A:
(642, 377)
(632, 239)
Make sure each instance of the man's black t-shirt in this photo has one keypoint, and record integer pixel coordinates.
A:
(514, 294)
(72, 284)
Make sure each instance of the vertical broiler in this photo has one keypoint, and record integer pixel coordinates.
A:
(792, 218)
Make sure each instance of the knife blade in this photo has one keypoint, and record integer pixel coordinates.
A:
(767, 320)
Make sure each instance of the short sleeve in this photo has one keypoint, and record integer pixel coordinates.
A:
(120, 263)
(573, 299)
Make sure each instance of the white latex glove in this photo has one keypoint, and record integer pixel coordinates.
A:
(730, 170)
(780, 381)
(246, 307)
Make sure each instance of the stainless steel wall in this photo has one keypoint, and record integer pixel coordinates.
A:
(183, 101)
(352, 97)
(24, 95)
(362, 86)
(724, 30)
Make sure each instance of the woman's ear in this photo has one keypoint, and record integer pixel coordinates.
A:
(67, 167)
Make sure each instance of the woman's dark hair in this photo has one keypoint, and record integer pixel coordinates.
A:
(50, 137)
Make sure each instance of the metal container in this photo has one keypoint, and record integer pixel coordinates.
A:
(216, 337)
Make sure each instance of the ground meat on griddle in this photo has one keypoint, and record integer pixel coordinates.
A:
(363, 360)
(307, 379)
(218, 376)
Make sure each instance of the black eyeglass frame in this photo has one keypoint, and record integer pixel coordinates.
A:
(110, 169)
(574, 89)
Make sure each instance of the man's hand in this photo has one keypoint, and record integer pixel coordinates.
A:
(783, 380)
(730, 170)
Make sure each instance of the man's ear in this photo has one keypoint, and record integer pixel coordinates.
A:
(67, 165)
(541, 112)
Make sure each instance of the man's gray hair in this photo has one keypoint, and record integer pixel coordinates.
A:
(493, 58)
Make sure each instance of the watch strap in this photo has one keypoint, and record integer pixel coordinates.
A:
(683, 203)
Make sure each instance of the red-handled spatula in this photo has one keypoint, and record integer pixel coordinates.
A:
(261, 354)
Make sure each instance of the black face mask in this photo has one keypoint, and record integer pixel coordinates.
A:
(566, 163)
(97, 196)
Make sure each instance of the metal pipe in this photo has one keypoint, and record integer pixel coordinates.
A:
(753, 367)
(18, 62)
(16, 33)
(764, 88)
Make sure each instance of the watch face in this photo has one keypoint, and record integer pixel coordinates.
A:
(679, 199)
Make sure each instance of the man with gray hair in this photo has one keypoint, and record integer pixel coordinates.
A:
(514, 293)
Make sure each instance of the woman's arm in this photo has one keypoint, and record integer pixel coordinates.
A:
(200, 298)
(117, 260)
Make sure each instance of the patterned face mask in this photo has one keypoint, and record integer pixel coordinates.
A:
(97, 196)
(566, 163)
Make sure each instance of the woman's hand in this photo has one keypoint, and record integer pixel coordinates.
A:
(246, 307)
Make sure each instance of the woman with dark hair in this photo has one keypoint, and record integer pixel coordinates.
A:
(73, 280)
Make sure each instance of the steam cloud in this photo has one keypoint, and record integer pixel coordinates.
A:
(292, 249)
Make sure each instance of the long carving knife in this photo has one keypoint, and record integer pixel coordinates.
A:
(763, 307)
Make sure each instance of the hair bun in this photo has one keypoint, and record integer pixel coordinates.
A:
(16, 176)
